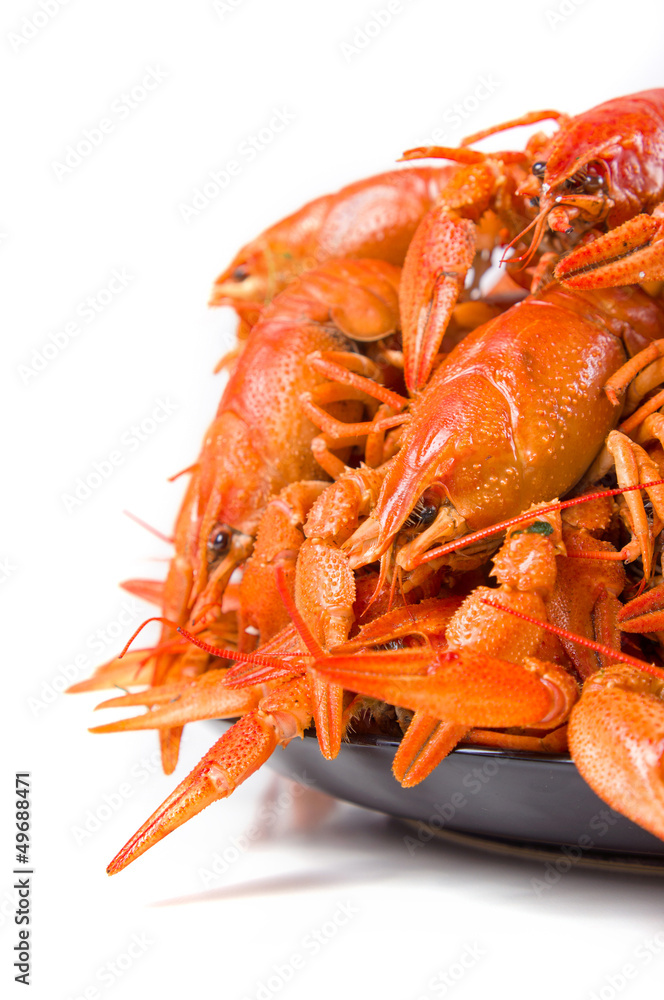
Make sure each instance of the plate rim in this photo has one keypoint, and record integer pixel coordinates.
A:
(376, 740)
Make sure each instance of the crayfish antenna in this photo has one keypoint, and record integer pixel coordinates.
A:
(148, 527)
(613, 654)
(530, 515)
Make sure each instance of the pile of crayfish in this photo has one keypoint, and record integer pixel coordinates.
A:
(431, 501)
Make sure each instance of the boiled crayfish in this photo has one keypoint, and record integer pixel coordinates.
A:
(388, 442)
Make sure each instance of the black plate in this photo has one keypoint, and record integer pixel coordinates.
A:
(503, 800)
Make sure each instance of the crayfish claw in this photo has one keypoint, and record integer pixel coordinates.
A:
(204, 698)
(233, 758)
(434, 273)
(132, 670)
(426, 743)
(616, 738)
(632, 253)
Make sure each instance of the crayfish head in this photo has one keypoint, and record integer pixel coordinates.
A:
(432, 520)
(570, 195)
(416, 538)
(576, 182)
(231, 488)
(245, 281)
(226, 550)
(262, 269)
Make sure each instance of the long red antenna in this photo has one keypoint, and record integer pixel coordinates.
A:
(648, 668)
(231, 654)
(183, 472)
(165, 621)
(531, 515)
(226, 654)
(148, 527)
(298, 621)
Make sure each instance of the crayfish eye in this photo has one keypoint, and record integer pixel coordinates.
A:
(538, 168)
(593, 183)
(422, 515)
(218, 542)
(428, 515)
(240, 274)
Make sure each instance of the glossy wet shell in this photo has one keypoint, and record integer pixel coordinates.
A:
(261, 440)
(514, 416)
(628, 135)
(375, 217)
(624, 770)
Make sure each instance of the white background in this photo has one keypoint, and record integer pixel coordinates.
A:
(225, 72)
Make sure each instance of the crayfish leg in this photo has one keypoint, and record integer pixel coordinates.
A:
(553, 742)
(585, 598)
(327, 703)
(631, 253)
(233, 758)
(325, 594)
(644, 613)
(530, 118)
(278, 541)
